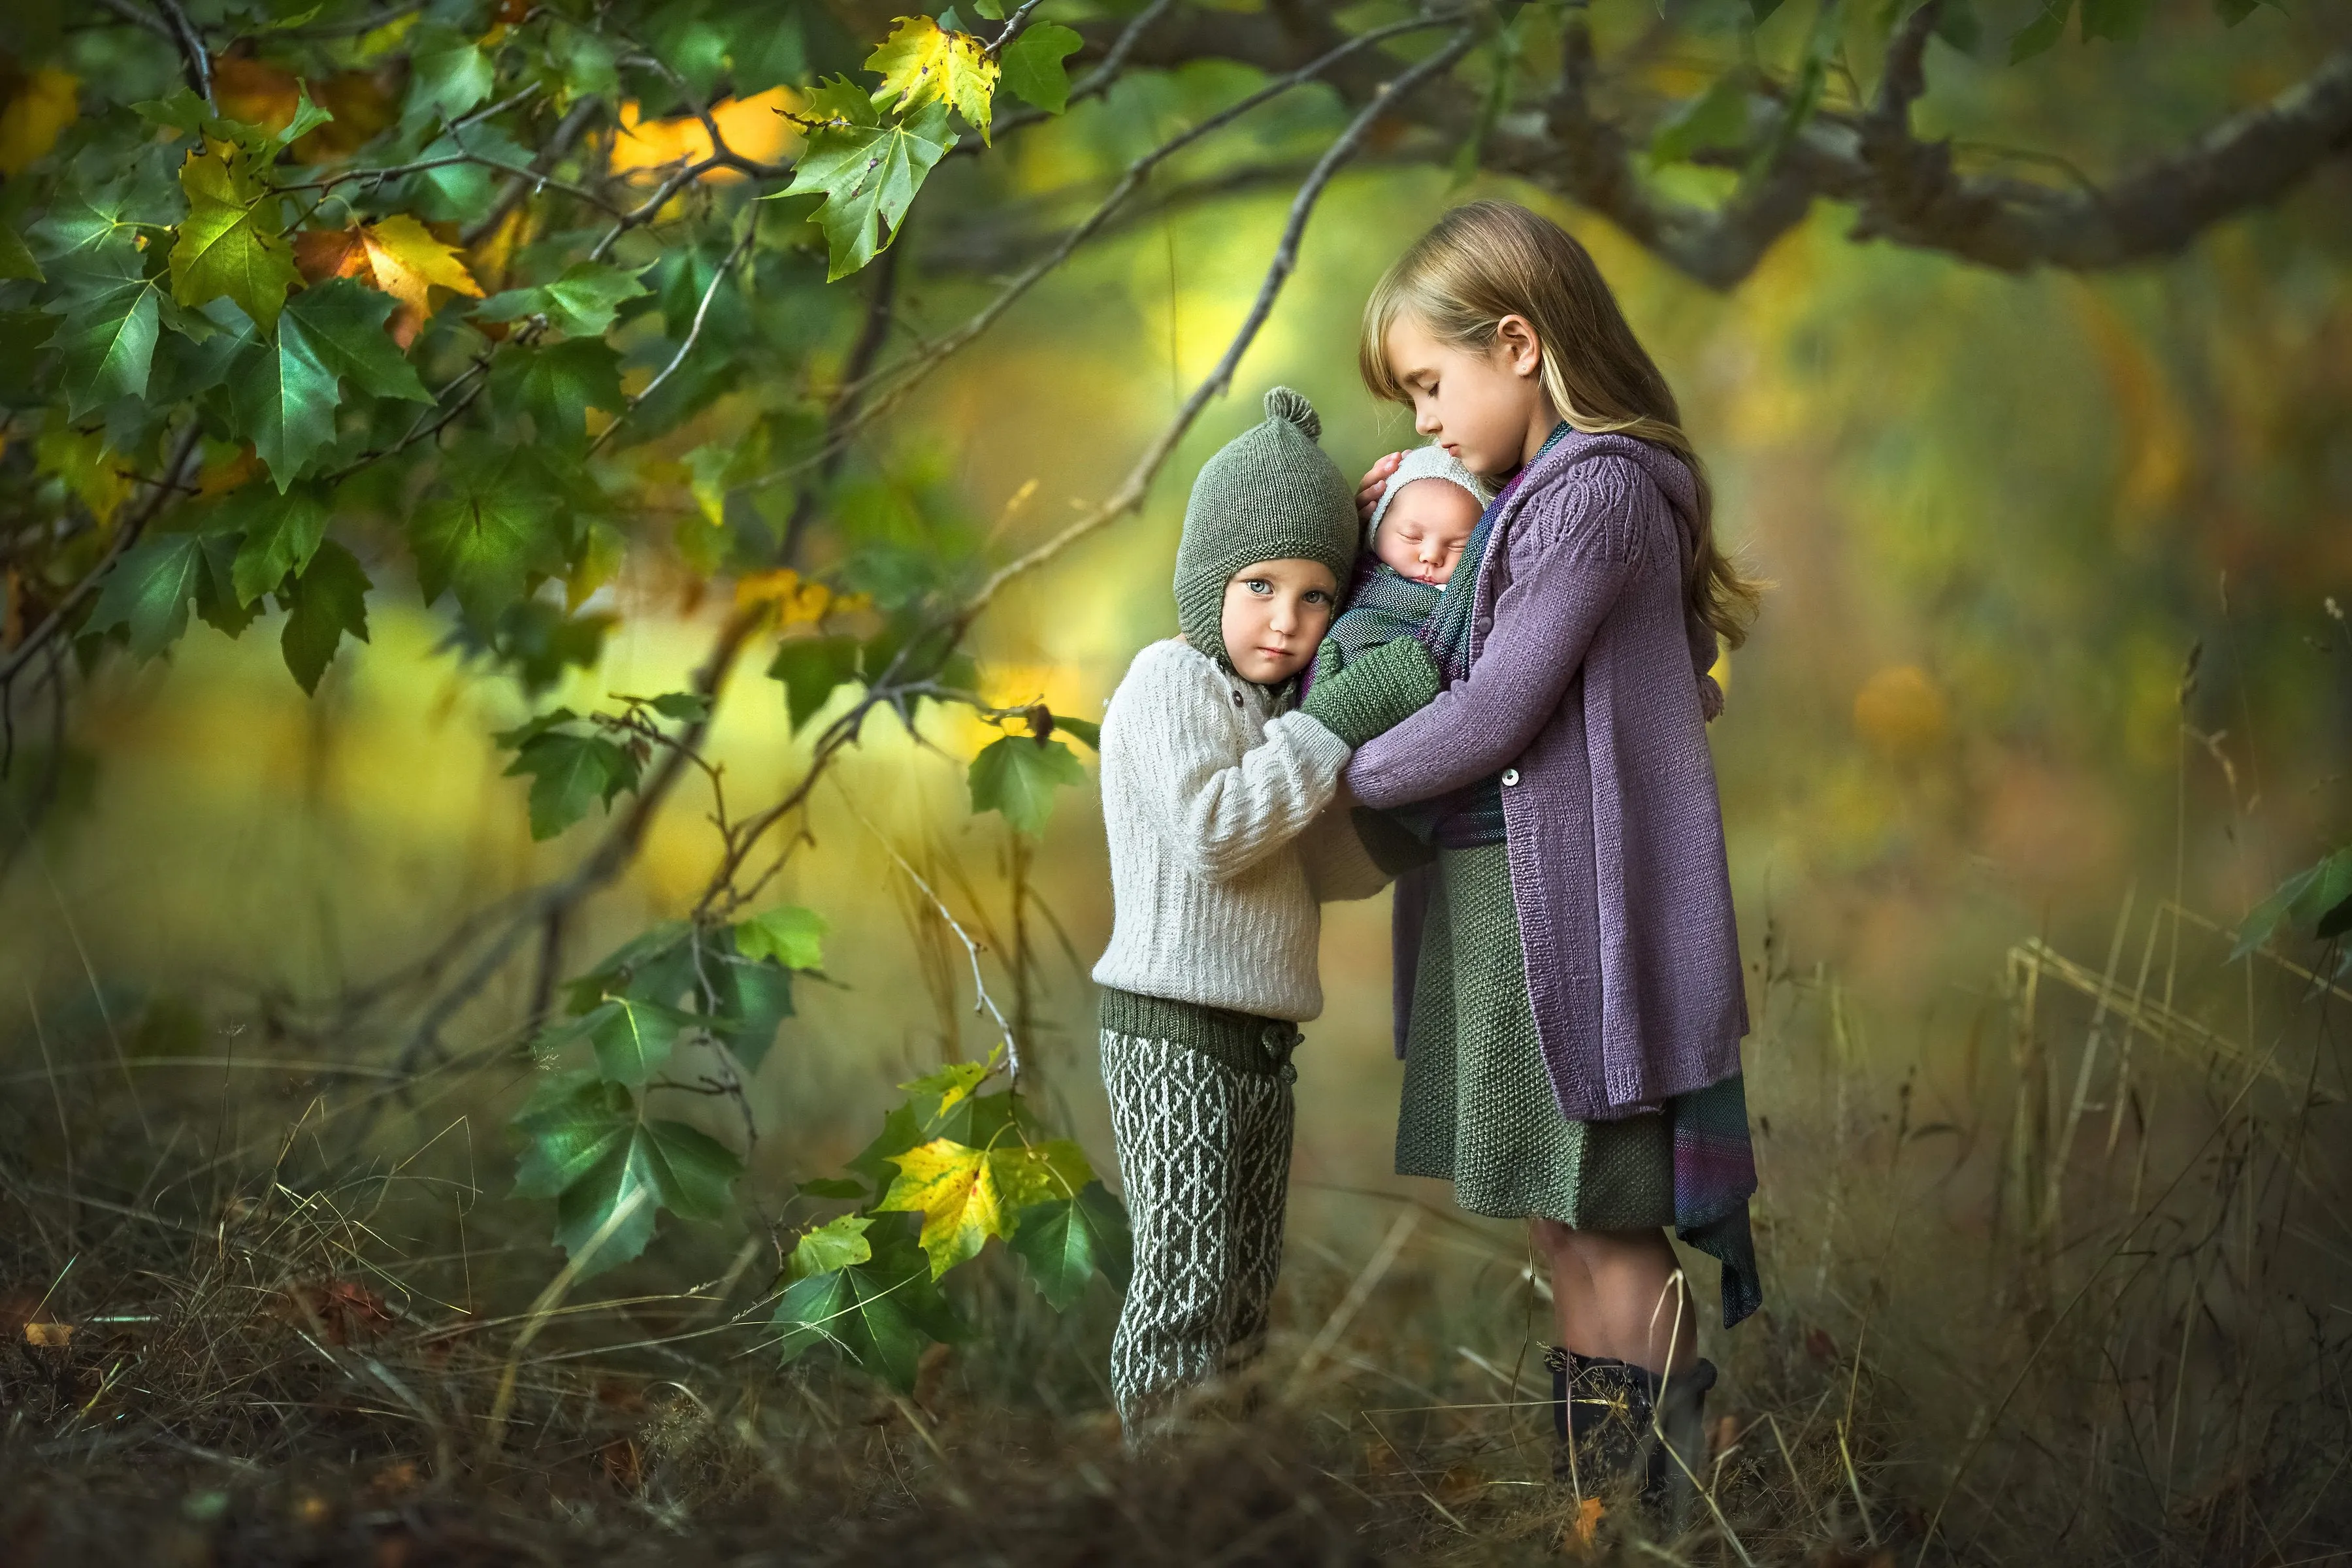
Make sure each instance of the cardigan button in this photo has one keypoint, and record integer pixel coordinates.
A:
(1237, 698)
(1510, 776)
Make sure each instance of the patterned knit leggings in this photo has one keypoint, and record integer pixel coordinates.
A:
(1204, 1155)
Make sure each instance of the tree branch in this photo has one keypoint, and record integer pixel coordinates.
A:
(1904, 190)
(193, 59)
(1129, 495)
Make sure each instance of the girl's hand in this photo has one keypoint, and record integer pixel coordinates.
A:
(1375, 482)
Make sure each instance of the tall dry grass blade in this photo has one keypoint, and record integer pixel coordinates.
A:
(2055, 1197)
(1359, 1290)
(502, 1403)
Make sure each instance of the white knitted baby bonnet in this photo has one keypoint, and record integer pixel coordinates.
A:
(1431, 462)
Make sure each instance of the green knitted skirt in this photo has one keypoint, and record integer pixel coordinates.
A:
(1479, 1106)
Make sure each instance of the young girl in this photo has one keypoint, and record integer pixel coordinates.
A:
(1572, 1022)
(1214, 786)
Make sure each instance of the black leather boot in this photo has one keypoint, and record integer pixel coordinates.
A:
(1676, 1452)
(1601, 1411)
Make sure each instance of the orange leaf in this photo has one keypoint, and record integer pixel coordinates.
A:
(50, 1336)
(323, 253)
(256, 93)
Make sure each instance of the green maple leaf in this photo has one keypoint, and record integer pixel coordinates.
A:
(448, 74)
(216, 600)
(148, 592)
(880, 1313)
(752, 997)
(342, 323)
(1033, 65)
(227, 247)
(16, 257)
(488, 539)
(282, 398)
(328, 600)
(109, 342)
(1064, 1241)
(837, 1244)
(868, 175)
(793, 936)
(952, 1085)
(588, 1145)
(631, 1039)
(812, 669)
(1017, 777)
(558, 383)
(281, 532)
(568, 772)
(1030, 1173)
(582, 302)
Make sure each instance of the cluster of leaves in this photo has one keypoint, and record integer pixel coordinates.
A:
(364, 290)
(952, 1169)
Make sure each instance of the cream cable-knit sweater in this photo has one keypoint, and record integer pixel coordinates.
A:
(1221, 848)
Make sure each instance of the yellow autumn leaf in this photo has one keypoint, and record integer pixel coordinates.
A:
(921, 61)
(954, 1189)
(407, 260)
(35, 117)
(52, 1336)
(797, 600)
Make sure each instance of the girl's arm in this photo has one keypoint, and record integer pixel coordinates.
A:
(1543, 622)
(1219, 808)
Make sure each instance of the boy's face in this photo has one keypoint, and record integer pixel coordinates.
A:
(1423, 531)
(1276, 615)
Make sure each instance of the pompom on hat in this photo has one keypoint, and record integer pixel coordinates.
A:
(1271, 493)
(1431, 462)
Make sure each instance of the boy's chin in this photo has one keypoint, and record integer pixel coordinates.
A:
(1265, 674)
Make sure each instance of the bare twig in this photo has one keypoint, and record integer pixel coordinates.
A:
(1131, 492)
(693, 336)
(193, 59)
(972, 949)
(529, 182)
(908, 373)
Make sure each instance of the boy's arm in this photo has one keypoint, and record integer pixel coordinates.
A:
(1220, 808)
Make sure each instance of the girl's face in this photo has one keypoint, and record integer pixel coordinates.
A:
(1485, 407)
(1276, 615)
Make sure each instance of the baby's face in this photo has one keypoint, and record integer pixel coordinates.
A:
(1423, 531)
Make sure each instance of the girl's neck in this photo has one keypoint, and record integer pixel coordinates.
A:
(1541, 422)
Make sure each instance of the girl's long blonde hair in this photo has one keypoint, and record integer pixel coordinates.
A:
(1486, 260)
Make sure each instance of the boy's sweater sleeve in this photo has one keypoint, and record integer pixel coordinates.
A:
(1339, 866)
(1220, 808)
(1544, 620)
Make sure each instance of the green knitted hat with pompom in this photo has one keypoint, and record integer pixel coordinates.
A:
(1268, 494)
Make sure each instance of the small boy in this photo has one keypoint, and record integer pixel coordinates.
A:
(1215, 789)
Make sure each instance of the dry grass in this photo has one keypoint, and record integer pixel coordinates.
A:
(2075, 1286)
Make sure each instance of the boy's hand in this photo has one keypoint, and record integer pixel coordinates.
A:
(1375, 691)
(1374, 485)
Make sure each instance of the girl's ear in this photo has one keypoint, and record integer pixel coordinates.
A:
(1520, 347)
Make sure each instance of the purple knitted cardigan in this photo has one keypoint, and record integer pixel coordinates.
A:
(1584, 693)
